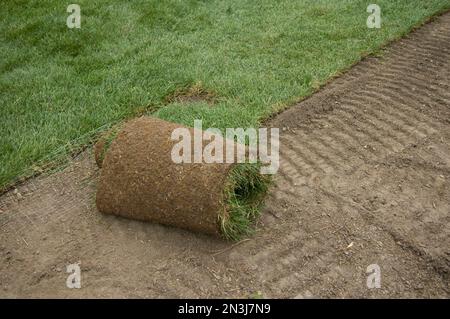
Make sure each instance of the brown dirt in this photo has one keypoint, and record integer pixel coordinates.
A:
(365, 179)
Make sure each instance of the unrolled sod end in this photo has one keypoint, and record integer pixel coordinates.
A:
(103, 144)
(244, 193)
(140, 180)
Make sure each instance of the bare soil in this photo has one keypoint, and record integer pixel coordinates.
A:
(364, 179)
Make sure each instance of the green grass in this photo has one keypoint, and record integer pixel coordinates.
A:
(60, 86)
(244, 193)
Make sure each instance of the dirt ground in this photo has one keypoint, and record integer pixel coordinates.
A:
(364, 179)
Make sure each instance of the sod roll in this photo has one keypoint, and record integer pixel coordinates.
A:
(139, 180)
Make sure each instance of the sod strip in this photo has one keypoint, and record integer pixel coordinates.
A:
(140, 180)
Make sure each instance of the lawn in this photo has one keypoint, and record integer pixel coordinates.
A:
(61, 86)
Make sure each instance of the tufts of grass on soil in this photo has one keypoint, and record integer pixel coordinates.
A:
(244, 194)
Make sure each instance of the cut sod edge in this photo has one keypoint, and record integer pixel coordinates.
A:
(58, 159)
(244, 192)
(282, 106)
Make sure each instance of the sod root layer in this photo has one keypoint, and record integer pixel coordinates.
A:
(140, 180)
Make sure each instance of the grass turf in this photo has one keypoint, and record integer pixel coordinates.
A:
(244, 194)
(60, 86)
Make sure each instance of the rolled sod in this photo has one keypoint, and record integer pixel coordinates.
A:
(139, 180)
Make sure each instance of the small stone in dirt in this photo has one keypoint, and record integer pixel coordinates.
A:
(16, 192)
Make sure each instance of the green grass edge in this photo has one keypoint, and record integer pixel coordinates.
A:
(244, 193)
